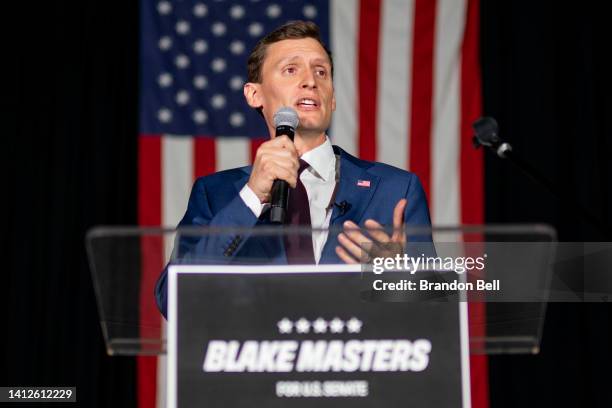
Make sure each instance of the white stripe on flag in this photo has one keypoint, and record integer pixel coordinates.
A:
(394, 82)
(450, 22)
(177, 177)
(344, 21)
(162, 368)
(232, 152)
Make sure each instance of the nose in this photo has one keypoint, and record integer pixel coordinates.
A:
(308, 80)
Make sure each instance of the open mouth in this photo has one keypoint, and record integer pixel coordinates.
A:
(307, 103)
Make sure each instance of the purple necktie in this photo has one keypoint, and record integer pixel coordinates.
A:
(298, 247)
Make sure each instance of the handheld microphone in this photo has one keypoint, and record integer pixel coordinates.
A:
(285, 120)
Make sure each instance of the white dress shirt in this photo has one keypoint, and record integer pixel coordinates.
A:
(319, 180)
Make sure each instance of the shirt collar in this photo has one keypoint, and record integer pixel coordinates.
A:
(322, 159)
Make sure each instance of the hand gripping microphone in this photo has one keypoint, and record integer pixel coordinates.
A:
(285, 120)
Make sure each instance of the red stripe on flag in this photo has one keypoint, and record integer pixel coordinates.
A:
(149, 180)
(472, 189)
(255, 143)
(472, 184)
(149, 214)
(204, 156)
(147, 381)
(422, 91)
(367, 76)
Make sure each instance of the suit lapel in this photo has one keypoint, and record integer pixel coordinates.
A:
(356, 187)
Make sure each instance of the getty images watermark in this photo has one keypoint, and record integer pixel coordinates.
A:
(505, 271)
(433, 275)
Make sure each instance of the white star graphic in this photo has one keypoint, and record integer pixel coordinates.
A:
(273, 10)
(200, 10)
(236, 119)
(236, 83)
(285, 326)
(164, 7)
(354, 325)
(218, 64)
(165, 43)
(237, 12)
(182, 27)
(217, 101)
(309, 11)
(255, 29)
(164, 80)
(200, 46)
(200, 81)
(164, 115)
(218, 29)
(302, 326)
(200, 116)
(336, 325)
(237, 47)
(319, 325)
(181, 61)
(182, 97)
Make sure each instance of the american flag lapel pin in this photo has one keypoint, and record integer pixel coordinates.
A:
(363, 183)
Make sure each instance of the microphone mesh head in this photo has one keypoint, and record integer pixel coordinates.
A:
(287, 117)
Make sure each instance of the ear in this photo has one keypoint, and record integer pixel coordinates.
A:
(252, 94)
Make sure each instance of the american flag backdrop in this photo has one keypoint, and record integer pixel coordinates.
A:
(407, 85)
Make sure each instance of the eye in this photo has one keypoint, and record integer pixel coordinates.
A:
(290, 69)
(322, 72)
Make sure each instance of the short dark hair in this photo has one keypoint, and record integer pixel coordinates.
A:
(293, 30)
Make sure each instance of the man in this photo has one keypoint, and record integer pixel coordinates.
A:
(291, 67)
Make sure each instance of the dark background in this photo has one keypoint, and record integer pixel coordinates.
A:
(71, 126)
(546, 78)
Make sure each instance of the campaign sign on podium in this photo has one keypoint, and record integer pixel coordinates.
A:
(303, 336)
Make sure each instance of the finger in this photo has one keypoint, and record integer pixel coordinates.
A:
(398, 221)
(398, 213)
(280, 140)
(343, 255)
(377, 231)
(351, 247)
(268, 162)
(354, 233)
(277, 172)
(287, 163)
(266, 147)
(276, 153)
(279, 155)
(357, 248)
(281, 145)
(284, 142)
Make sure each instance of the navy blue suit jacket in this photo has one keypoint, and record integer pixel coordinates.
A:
(215, 202)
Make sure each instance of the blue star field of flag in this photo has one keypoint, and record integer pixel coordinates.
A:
(193, 58)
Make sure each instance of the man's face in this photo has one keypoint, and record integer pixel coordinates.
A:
(297, 74)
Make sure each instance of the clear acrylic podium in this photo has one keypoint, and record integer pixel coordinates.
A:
(127, 261)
